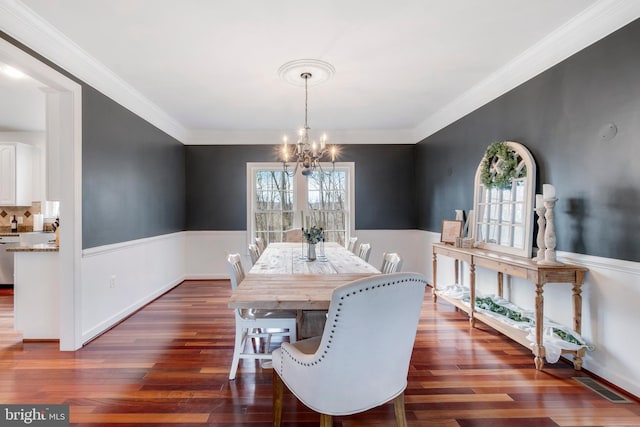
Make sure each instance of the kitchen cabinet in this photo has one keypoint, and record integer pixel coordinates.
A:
(36, 298)
(16, 174)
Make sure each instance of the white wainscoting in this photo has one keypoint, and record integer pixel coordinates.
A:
(206, 252)
(119, 279)
(407, 243)
(610, 298)
(146, 268)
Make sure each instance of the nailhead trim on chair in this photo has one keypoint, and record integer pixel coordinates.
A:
(334, 326)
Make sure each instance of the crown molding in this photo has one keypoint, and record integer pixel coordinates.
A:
(24, 25)
(595, 23)
(270, 137)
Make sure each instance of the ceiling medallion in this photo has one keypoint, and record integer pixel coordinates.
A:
(306, 152)
(320, 72)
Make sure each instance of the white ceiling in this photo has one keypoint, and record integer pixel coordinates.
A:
(22, 104)
(211, 66)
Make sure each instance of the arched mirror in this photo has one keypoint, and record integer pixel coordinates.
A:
(504, 199)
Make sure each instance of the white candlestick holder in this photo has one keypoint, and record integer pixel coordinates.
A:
(549, 234)
(540, 211)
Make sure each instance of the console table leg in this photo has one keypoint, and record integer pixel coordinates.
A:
(538, 348)
(472, 294)
(577, 307)
(539, 362)
(435, 276)
(577, 359)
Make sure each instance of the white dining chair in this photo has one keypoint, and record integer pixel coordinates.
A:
(253, 323)
(391, 263)
(339, 373)
(351, 244)
(364, 251)
(260, 244)
(253, 253)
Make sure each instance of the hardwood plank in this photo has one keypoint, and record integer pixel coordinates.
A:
(167, 365)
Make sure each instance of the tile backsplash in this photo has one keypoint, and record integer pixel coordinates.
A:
(26, 212)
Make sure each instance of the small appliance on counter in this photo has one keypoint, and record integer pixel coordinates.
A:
(38, 222)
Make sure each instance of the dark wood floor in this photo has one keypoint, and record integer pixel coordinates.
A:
(168, 365)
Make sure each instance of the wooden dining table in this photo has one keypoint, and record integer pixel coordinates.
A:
(283, 279)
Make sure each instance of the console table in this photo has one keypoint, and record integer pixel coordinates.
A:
(523, 268)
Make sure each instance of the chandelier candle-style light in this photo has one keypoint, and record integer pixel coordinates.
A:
(306, 152)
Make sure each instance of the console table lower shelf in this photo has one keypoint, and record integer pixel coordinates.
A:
(518, 267)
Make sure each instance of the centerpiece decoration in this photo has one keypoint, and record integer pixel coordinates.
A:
(312, 236)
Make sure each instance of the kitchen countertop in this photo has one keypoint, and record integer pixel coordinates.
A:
(38, 247)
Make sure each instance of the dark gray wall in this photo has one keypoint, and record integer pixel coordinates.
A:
(133, 177)
(216, 185)
(559, 116)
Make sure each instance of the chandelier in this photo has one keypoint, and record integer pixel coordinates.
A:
(307, 153)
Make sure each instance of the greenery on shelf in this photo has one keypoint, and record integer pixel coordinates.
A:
(487, 303)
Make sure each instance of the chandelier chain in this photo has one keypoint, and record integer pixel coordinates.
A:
(306, 77)
(307, 154)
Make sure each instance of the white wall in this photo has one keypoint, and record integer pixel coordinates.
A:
(610, 298)
(146, 268)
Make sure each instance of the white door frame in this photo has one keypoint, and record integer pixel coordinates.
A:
(64, 102)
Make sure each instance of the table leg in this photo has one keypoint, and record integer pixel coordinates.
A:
(456, 267)
(577, 359)
(435, 276)
(577, 322)
(298, 325)
(538, 347)
(472, 294)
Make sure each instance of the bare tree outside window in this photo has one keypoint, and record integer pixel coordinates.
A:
(326, 196)
(275, 205)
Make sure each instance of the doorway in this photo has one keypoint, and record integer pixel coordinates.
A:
(64, 179)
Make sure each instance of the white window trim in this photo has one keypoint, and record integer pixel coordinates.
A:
(300, 193)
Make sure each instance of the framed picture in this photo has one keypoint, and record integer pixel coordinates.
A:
(450, 230)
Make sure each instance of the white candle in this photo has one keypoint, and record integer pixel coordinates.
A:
(539, 201)
(285, 151)
(548, 191)
(333, 153)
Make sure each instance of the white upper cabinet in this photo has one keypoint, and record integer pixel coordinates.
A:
(16, 174)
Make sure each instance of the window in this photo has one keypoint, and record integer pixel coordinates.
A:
(277, 202)
(501, 214)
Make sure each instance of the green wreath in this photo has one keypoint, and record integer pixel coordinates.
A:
(503, 158)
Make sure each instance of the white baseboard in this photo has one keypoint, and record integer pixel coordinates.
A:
(110, 322)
